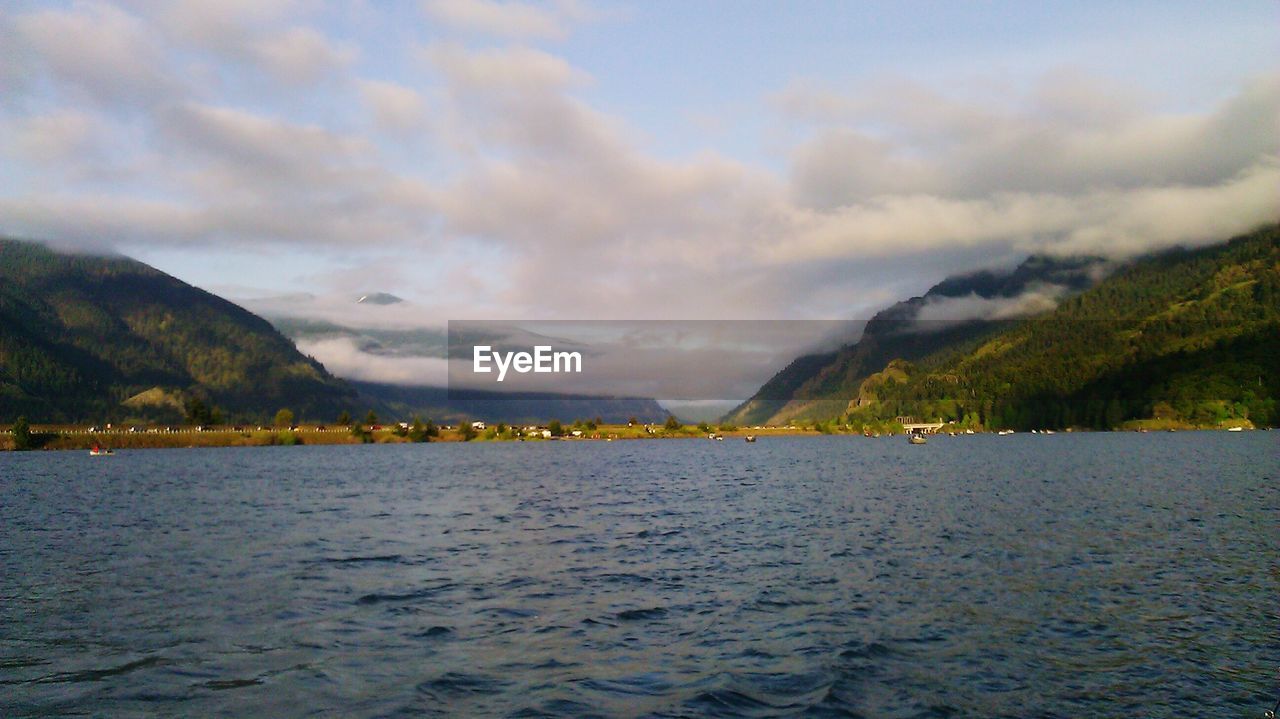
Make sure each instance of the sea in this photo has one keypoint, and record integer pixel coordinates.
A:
(1065, 575)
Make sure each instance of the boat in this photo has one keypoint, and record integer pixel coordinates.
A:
(1235, 429)
(100, 452)
(916, 439)
(750, 438)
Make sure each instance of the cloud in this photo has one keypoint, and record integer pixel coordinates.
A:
(97, 51)
(502, 188)
(300, 55)
(520, 71)
(246, 144)
(1112, 222)
(97, 221)
(203, 22)
(395, 108)
(515, 20)
(58, 137)
(256, 37)
(239, 178)
(1036, 299)
(1073, 134)
(344, 358)
(572, 182)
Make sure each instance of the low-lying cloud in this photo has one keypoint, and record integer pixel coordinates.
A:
(344, 358)
(1036, 300)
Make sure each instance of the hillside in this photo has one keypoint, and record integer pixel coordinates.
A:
(1182, 338)
(91, 338)
(975, 306)
(1185, 338)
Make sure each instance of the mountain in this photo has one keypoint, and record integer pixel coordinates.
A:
(379, 298)
(1183, 338)
(442, 405)
(960, 309)
(92, 338)
(88, 338)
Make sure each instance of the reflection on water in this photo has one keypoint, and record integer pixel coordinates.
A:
(1072, 575)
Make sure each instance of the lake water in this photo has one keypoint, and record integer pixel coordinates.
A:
(1051, 576)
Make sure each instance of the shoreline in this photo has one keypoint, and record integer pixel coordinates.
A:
(53, 438)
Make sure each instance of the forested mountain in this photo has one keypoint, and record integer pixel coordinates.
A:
(91, 338)
(959, 310)
(1185, 337)
(98, 339)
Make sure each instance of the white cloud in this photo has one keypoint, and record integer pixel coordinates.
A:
(510, 19)
(217, 21)
(518, 196)
(1072, 135)
(343, 358)
(97, 221)
(58, 137)
(95, 50)
(523, 71)
(1116, 223)
(1036, 299)
(258, 36)
(300, 55)
(395, 108)
(246, 144)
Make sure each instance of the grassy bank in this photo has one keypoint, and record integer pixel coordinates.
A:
(63, 437)
(55, 437)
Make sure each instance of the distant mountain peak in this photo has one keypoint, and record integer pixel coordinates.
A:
(378, 298)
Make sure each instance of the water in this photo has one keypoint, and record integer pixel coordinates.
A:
(1057, 576)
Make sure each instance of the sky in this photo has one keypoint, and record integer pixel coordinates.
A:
(599, 159)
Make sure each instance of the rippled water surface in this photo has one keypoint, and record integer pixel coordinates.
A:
(1059, 576)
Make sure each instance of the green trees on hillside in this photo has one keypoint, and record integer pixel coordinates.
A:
(1187, 337)
(199, 412)
(22, 437)
(81, 334)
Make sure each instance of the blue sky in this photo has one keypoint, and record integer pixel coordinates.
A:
(640, 160)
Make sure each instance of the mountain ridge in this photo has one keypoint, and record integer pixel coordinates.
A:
(81, 334)
(92, 338)
(1185, 335)
(826, 378)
